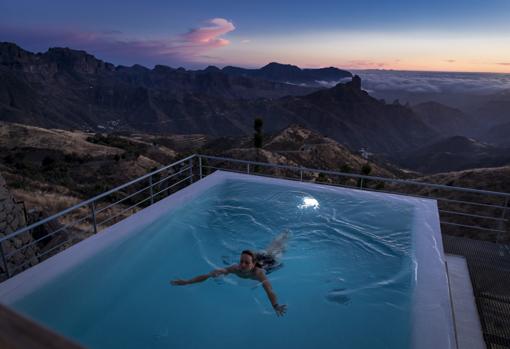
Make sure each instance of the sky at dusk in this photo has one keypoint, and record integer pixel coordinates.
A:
(453, 35)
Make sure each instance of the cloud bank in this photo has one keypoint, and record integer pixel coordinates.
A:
(433, 82)
(118, 48)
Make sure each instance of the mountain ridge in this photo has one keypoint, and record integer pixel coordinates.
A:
(289, 73)
(65, 88)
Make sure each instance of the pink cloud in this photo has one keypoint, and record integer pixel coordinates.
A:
(115, 46)
(209, 34)
(504, 63)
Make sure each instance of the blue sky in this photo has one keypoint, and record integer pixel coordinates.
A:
(453, 35)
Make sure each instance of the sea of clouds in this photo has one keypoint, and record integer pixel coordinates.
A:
(433, 82)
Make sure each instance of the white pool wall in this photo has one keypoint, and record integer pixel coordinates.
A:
(432, 321)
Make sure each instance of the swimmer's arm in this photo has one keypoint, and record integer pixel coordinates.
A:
(204, 277)
(224, 271)
(280, 309)
(196, 279)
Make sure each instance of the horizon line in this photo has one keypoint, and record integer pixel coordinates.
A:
(205, 66)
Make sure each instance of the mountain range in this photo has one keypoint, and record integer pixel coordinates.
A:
(71, 89)
(66, 88)
(292, 74)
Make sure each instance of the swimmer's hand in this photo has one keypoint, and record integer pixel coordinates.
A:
(179, 282)
(280, 309)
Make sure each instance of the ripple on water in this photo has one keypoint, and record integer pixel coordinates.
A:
(337, 296)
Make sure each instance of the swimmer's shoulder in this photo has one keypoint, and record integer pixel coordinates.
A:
(259, 273)
(234, 268)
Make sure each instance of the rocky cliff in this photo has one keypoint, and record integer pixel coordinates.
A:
(12, 218)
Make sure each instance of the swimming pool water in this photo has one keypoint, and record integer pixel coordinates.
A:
(347, 276)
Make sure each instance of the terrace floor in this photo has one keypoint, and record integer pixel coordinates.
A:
(489, 268)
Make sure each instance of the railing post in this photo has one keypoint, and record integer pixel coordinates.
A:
(300, 174)
(190, 171)
(503, 225)
(4, 261)
(361, 183)
(151, 190)
(248, 168)
(200, 166)
(93, 209)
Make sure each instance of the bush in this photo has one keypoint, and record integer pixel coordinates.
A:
(48, 161)
(71, 158)
(366, 169)
(345, 168)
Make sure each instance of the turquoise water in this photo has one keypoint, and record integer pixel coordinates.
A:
(346, 276)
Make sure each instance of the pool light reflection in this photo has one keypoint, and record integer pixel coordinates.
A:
(309, 202)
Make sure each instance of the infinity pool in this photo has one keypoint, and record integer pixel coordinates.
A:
(360, 270)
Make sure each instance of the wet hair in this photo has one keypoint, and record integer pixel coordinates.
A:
(253, 257)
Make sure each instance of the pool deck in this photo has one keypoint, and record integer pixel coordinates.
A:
(467, 323)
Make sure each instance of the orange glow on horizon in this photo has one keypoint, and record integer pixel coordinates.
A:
(413, 51)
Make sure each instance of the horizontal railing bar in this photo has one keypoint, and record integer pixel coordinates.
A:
(470, 203)
(393, 180)
(124, 210)
(148, 198)
(473, 227)
(141, 190)
(48, 235)
(173, 185)
(474, 215)
(257, 174)
(172, 175)
(95, 198)
(121, 200)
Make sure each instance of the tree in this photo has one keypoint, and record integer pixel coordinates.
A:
(257, 137)
(365, 170)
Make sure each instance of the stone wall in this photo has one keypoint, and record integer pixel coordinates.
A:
(12, 218)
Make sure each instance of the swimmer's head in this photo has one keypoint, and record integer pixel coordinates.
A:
(247, 261)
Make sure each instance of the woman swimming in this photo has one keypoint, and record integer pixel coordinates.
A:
(252, 266)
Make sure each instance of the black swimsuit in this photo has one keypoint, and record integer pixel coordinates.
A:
(267, 262)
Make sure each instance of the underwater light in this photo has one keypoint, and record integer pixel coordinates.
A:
(309, 202)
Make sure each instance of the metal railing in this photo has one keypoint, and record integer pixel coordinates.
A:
(40, 240)
(475, 213)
